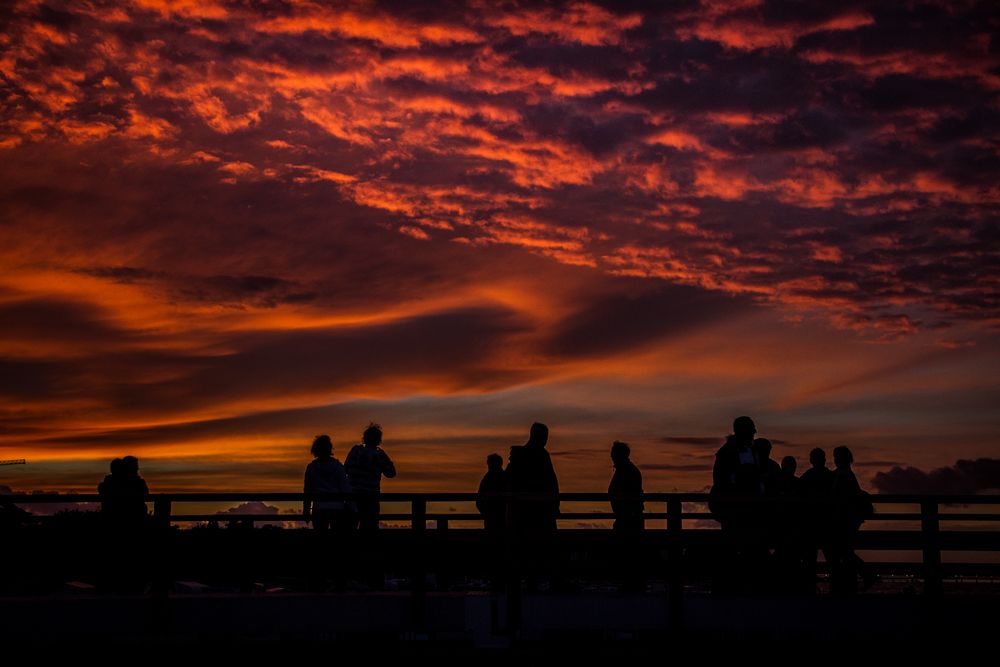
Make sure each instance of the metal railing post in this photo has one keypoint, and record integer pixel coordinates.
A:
(675, 558)
(418, 573)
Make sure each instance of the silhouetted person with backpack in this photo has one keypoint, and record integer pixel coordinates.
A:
(851, 506)
(123, 493)
(493, 509)
(125, 520)
(325, 474)
(366, 464)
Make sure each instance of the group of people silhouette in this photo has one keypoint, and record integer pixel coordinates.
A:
(361, 474)
(775, 541)
(823, 510)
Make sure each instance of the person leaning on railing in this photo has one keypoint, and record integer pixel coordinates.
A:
(366, 464)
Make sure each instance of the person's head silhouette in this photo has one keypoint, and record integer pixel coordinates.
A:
(130, 465)
(539, 435)
(842, 457)
(744, 429)
(788, 466)
(494, 462)
(322, 447)
(116, 466)
(763, 446)
(620, 452)
(817, 457)
(372, 437)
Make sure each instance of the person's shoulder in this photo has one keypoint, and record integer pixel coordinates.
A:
(725, 448)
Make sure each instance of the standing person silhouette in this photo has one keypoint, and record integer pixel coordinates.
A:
(625, 490)
(625, 494)
(126, 521)
(736, 473)
(770, 470)
(493, 509)
(736, 476)
(816, 489)
(851, 507)
(530, 472)
(494, 512)
(331, 518)
(325, 474)
(366, 464)
(533, 519)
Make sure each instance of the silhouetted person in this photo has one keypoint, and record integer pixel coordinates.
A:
(334, 520)
(366, 464)
(816, 489)
(625, 494)
(530, 472)
(123, 493)
(817, 482)
(533, 520)
(789, 484)
(788, 537)
(625, 490)
(123, 511)
(770, 471)
(851, 507)
(736, 473)
(325, 474)
(736, 477)
(493, 509)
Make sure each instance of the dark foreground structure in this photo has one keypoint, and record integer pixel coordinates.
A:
(435, 577)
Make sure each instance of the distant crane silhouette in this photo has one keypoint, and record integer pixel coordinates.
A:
(13, 462)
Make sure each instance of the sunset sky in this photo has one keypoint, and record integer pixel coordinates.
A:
(226, 227)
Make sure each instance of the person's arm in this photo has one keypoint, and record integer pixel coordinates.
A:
(388, 469)
(613, 492)
(721, 476)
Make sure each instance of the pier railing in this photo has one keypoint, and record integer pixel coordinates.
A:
(928, 529)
